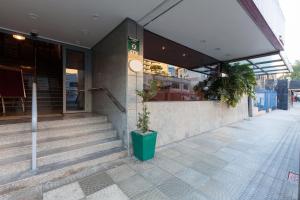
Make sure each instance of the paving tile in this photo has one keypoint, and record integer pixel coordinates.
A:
(193, 196)
(215, 190)
(192, 177)
(186, 160)
(213, 160)
(112, 192)
(94, 183)
(34, 193)
(175, 188)
(154, 194)
(120, 173)
(134, 185)
(155, 175)
(170, 153)
(169, 165)
(139, 165)
(67, 192)
(206, 168)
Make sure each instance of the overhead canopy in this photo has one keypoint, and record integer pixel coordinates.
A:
(275, 63)
(223, 29)
(267, 64)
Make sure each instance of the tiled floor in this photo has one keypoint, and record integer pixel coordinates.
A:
(249, 160)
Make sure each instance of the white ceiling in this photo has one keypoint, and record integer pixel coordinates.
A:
(71, 21)
(219, 28)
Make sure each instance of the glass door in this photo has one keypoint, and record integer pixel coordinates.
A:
(74, 80)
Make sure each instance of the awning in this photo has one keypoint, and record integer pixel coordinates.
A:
(275, 63)
(267, 64)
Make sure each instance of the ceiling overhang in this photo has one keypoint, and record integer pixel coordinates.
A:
(223, 29)
(75, 22)
(164, 50)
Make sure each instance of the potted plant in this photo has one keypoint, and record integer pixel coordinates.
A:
(144, 139)
(234, 82)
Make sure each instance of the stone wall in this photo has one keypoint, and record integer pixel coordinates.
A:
(110, 71)
(175, 121)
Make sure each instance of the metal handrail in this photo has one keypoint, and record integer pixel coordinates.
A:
(111, 97)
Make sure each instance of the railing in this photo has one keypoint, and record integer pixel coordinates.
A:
(118, 105)
(111, 97)
(34, 126)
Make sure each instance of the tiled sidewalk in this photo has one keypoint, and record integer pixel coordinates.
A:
(245, 160)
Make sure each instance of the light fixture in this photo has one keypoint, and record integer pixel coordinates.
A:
(184, 54)
(224, 75)
(136, 65)
(95, 16)
(163, 48)
(18, 37)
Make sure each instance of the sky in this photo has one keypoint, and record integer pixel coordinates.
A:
(291, 11)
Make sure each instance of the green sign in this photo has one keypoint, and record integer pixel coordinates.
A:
(133, 45)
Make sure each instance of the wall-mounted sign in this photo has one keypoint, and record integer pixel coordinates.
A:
(133, 46)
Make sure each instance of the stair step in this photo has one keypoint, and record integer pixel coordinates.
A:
(20, 164)
(17, 149)
(51, 124)
(60, 170)
(54, 132)
(65, 147)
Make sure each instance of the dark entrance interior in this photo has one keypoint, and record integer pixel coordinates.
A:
(17, 69)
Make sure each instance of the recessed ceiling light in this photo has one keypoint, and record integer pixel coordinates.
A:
(18, 37)
(85, 31)
(95, 16)
(33, 16)
(163, 48)
(184, 54)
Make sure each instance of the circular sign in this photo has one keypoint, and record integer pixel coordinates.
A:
(136, 65)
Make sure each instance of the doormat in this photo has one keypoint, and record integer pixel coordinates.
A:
(293, 177)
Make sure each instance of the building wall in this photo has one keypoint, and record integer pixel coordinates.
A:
(175, 121)
(272, 12)
(109, 60)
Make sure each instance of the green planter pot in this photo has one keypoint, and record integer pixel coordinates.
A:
(143, 145)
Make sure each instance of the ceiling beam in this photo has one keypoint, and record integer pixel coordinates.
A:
(272, 66)
(277, 70)
(257, 67)
(252, 57)
(270, 61)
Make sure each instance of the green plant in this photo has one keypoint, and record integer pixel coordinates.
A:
(146, 95)
(239, 81)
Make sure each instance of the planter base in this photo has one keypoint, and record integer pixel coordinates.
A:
(144, 145)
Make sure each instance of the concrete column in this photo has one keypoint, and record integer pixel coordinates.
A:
(134, 80)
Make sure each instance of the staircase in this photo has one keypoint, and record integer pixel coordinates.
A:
(65, 147)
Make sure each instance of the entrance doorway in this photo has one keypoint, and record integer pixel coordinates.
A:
(74, 75)
(21, 61)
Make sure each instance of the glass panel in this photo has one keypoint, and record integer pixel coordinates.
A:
(75, 80)
(276, 68)
(201, 69)
(271, 64)
(175, 83)
(242, 62)
(265, 59)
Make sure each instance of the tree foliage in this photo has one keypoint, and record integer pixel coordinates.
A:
(239, 81)
(295, 75)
